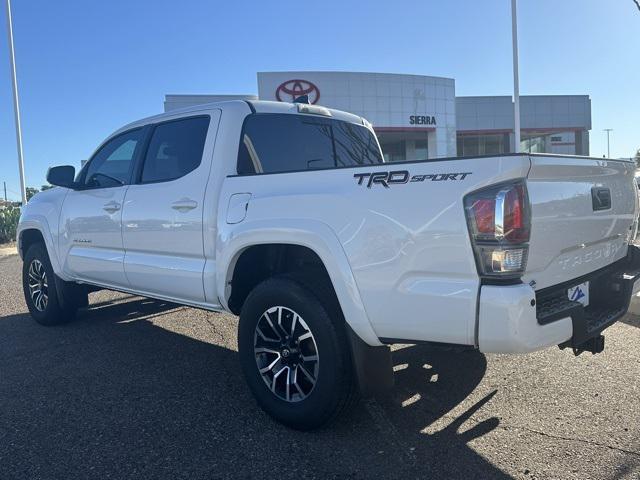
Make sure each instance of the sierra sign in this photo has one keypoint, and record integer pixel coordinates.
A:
(422, 120)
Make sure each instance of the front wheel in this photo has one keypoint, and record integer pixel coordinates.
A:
(295, 355)
(47, 305)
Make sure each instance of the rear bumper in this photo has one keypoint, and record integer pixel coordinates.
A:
(610, 290)
(517, 319)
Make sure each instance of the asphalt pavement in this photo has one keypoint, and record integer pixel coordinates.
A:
(137, 388)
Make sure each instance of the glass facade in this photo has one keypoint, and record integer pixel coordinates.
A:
(404, 146)
(421, 149)
(474, 145)
(394, 151)
(566, 142)
(534, 144)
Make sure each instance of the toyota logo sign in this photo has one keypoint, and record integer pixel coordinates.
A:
(291, 89)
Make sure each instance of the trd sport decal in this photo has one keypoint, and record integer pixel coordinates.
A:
(403, 176)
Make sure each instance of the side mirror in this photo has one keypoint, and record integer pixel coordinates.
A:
(62, 176)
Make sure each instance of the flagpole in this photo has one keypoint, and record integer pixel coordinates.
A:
(16, 104)
(608, 130)
(516, 79)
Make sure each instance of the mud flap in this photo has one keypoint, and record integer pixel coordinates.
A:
(372, 365)
(70, 295)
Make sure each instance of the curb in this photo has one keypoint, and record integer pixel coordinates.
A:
(8, 251)
(634, 307)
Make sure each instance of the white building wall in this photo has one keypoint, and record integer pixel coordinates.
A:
(387, 100)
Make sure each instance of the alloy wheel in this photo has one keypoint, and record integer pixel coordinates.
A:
(286, 354)
(38, 285)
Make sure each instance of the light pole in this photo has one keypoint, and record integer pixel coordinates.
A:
(16, 104)
(608, 130)
(516, 80)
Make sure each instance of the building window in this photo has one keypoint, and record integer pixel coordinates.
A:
(475, 145)
(533, 144)
(493, 144)
(404, 146)
(395, 151)
(421, 150)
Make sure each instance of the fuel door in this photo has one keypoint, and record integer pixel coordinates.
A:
(237, 208)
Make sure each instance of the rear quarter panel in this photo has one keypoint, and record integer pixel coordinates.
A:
(407, 244)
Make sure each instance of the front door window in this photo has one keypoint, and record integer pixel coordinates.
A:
(111, 165)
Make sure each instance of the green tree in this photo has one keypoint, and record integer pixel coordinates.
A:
(9, 217)
(31, 191)
(637, 157)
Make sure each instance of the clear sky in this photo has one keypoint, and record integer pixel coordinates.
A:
(87, 67)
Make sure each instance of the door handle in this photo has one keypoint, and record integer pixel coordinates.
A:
(184, 205)
(111, 207)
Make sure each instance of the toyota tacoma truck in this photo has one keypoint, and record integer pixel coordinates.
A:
(287, 215)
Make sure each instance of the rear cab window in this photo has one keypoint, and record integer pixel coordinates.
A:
(273, 143)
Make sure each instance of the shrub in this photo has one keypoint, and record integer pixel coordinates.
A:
(9, 217)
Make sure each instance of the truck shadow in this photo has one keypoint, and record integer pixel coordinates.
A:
(431, 383)
(114, 395)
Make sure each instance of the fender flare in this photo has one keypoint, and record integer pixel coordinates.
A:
(233, 240)
(40, 223)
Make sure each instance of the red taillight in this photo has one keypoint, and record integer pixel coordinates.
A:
(484, 211)
(499, 224)
(516, 227)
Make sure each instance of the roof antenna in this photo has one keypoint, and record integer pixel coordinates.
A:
(301, 99)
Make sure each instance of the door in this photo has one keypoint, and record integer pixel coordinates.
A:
(163, 211)
(91, 217)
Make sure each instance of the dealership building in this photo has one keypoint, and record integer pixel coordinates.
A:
(418, 117)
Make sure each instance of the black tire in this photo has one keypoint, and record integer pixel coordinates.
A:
(62, 298)
(335, 389)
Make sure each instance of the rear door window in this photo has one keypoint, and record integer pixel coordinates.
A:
(273, 143)
(175, 149)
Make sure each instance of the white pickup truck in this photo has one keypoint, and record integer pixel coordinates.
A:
(287, 214)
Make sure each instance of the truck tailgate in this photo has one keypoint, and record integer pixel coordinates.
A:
(583, 216)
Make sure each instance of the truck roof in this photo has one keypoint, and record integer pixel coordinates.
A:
(260, 106)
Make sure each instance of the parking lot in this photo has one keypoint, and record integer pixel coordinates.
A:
(137, 388)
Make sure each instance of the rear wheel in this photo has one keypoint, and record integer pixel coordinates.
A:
(49, 300)
(295, 355)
